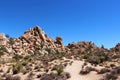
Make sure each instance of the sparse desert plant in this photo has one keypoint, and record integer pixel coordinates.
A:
(110, 77)
(42, 45)
(54, 76)
(113, 75)
(24, 71)
(87, 70)
(47, 77)
(48, 50)
(2, 50)
(7, 35)
(39, 75)
(36, 67)
(67, 75)
(37, 52)
(17, 57)
(104, 70)
(59, 69)
(97, 58)
(17, 68)
(116, 70)
(28, 68)
(11, 41)
(24, 63)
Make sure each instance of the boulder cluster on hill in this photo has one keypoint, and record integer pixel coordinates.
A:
(36, 56)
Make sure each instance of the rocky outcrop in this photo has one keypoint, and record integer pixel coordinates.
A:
(32, 39)
(81, 46)
(116, 48)
(3, 39)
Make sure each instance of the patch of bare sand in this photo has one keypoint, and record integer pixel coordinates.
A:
(75, 68)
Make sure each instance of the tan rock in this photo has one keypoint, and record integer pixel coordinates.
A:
(3, 39)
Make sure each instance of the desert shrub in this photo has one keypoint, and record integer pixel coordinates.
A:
(28, 68)
(24, 63)
(30, 53)
(48, 50)
(116, 70)
(2, 50)
(11, 41)
(86, 70)
(53, 76)
(110, 77)
(59, 69)
(7, 35)
(67, 75)
(60, 54)
(96, 58)
(104, 70)
(17, 57)
(112, 65)
(28, 59)
(42, 45)
(25, 71)
(47, 77)
(37, 52)
(37, 67)
(17, 68)
(39, 75)
(113, 75)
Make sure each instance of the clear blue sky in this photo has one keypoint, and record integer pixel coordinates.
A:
(75, 20)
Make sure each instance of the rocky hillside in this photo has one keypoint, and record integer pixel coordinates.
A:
(40, 56)
(30, 41)
(35, 40)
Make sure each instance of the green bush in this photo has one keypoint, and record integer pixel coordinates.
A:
(17, 68)
(2, 50)
(11, 41)
(17, 57)
(59, 69)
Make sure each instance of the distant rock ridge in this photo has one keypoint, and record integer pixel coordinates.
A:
(35, 39)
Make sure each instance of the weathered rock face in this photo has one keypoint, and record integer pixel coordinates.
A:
(82, 46)
(3, 39)
(34, 38)
(116, 48)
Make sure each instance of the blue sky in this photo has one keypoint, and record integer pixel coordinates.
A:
(75, 20)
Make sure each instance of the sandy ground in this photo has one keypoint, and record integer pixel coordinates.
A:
(75, 68)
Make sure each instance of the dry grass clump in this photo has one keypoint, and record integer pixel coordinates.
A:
(104, 70)
(54, 76)
(17, 68)
(113, 75)
(87, 70)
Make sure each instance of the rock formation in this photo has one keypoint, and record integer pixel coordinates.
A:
(31, 40)
(3, 39)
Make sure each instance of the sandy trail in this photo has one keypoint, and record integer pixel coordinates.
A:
(74, 70)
